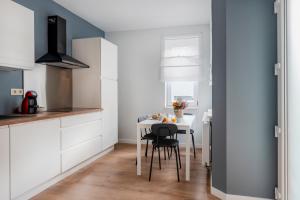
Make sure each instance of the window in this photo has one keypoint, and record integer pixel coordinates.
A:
(180, 68)
(186, 90)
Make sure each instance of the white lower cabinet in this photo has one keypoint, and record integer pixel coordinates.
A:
(81, 138)
(4, 163)
(35, 154)
(80, 153)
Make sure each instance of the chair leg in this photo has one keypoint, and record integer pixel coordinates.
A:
(194, 145)
(151, 164)
(177, 164)
(159, 157)
(146, 152)
(165, 153)
(168, 153)
(179, 156)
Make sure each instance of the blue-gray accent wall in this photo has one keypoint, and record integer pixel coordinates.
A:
(251, 98)
(76, 28)
(245, 40)
(219, 94)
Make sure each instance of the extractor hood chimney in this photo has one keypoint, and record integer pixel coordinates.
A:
(56, 55)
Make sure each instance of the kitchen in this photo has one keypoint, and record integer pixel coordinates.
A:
(60, 125)
(107, 99)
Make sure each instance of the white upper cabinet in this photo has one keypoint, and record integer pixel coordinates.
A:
(16, 36)
(109, 60)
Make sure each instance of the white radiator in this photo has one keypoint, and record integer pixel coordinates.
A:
(206, 138)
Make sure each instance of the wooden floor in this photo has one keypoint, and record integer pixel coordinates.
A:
(113, 177)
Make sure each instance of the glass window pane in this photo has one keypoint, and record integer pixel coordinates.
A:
(183, 90)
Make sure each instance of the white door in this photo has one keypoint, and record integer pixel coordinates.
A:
(4, 163)
(293, 98)
(109, 95)
(281, 79)
(35, 154)
(109, 60)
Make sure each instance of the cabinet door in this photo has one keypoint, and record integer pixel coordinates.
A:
(109, 60)
(16, 36)
(4, 163)
(109, 89)
(35, 154)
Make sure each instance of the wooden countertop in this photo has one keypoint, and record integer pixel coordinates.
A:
(23, 118)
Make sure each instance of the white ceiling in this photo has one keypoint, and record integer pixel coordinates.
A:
(122, 15)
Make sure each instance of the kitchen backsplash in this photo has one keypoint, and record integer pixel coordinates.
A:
(8, 80)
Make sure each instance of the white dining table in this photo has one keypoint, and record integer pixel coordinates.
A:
(185, 124)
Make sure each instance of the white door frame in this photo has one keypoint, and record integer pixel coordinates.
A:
(282, 101)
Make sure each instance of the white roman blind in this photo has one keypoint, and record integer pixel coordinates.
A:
(180, 59)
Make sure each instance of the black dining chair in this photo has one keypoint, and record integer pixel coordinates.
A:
(192, 134)
(164, 134)
(146, 134)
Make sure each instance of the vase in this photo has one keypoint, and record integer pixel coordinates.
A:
(178, 113)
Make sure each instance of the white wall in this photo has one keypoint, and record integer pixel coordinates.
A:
(140, 89)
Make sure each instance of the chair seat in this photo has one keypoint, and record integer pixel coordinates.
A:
(183, 131)
(167, 143)
(149, 136)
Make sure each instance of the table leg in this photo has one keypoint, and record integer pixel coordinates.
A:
(187, 154)
(138, 151)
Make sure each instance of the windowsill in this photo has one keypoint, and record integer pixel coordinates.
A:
(189, 108)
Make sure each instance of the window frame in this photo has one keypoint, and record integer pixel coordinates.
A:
(168, 100)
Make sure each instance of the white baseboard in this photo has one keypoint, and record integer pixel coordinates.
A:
(133, 141)
(44, 186)
(218, 193)
(223, 196)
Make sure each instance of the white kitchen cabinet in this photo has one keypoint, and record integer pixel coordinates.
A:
(109, 99)
(81, 138)
(80, 119)
(4, 163)
(97, 86)
(109, 60)
(72, 136)
(16, 36)
(35, 154)
(80, 153)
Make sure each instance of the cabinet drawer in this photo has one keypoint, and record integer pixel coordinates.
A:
(80, 119)
(74, 135)
(80, 153)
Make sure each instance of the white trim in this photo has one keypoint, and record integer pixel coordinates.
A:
(224, 196)
(238, 197)
(44, 186)
(218, 193)
(133, 141)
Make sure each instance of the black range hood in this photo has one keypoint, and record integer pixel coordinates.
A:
(56, 55)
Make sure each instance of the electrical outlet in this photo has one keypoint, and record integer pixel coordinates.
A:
(16, 92)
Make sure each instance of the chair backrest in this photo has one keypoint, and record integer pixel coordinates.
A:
(164, 130)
